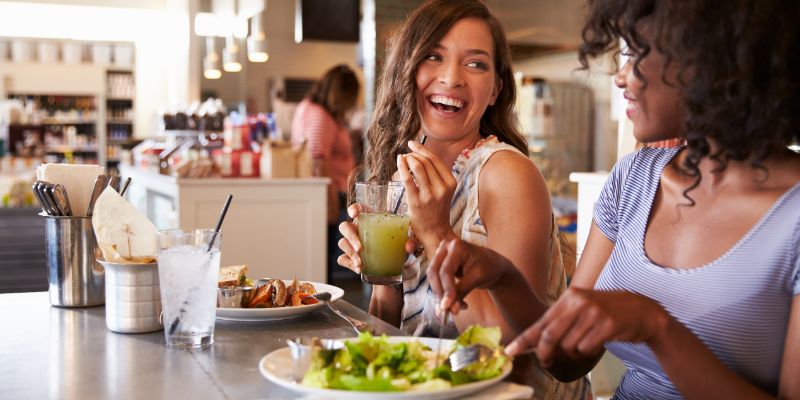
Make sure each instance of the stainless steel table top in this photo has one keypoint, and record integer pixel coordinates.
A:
(67, 353)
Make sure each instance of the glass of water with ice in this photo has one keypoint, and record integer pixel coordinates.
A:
(188, 271)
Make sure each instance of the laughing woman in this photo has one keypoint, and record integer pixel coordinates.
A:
(448, 77)
(691, 273)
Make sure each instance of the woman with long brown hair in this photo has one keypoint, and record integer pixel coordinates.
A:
(448, 77)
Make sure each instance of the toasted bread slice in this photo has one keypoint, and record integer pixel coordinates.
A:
(261, 297)
(231, 275)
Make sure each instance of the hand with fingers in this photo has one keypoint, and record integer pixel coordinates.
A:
(458, 267)
(581, 321)
(429, 187)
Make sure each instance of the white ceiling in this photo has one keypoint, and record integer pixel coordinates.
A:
(143, 4)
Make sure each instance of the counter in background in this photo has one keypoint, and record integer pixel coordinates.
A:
(275, 226)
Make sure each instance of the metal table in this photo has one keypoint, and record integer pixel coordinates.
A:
(68, 353)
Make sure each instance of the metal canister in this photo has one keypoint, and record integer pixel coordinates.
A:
(133, 297)
(75, 278)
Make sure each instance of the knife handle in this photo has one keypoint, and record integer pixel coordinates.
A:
(49, 194)
(60, 195)
(38, 194)
(99, 185)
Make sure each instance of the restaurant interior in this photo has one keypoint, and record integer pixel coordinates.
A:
(191, 101)
(141, 87)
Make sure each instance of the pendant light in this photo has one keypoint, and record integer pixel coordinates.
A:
(257, 41)
(211, 61)
(230, 56)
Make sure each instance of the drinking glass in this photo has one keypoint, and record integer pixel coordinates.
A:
(383, 229)
(188, 272)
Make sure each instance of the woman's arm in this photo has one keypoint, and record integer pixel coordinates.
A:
(676, 347)
(515, 209)
(514, 206)
(320, 129)
(386, 303)
(479, 267)
(320, 168)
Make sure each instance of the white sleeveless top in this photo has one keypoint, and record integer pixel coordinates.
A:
(418, 316)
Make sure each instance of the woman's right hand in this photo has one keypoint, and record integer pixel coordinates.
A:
(350, 243)
(458, 267)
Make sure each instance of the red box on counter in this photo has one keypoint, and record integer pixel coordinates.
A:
(237, 137)
(238, 163)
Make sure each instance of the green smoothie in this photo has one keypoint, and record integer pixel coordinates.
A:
(383, 239)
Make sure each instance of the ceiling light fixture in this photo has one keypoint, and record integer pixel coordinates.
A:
(211, 61)
(257, 42)
(230, 56)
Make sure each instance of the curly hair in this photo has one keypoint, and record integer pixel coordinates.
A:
(738, 64)
(336, 92)
(396, 119)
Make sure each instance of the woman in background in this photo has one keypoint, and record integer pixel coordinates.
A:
(691, 273)
(321, 124)
(448, 77)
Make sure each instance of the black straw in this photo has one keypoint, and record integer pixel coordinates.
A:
(403, 191)
(125, 186)
(177, 321)
(219, 222)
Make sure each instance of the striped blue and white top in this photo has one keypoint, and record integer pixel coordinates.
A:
(738, 304)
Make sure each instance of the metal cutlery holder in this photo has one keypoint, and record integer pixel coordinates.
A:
(75, 278)
(133, 297)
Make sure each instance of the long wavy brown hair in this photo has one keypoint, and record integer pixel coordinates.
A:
(738, 64)
(396, 120)
(336, 92)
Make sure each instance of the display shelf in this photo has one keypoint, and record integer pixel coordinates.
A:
(71, 149)
(67, 122)
(95, 101)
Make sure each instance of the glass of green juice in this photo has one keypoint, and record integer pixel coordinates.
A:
(383, 229)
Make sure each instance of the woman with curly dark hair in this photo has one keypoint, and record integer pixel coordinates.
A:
(448, 77)
(691, 273)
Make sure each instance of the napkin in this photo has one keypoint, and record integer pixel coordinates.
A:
(124, 235)
(78, 180)
(498, 391)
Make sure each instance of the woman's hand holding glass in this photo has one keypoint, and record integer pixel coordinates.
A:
(351, 245)
(429, 187)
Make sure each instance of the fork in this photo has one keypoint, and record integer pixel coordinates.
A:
(467, 355)
(359, 326)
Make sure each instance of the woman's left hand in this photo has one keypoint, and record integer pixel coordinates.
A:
(581, 321)
(429, 193)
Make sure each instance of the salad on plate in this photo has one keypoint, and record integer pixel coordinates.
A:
(377, 364)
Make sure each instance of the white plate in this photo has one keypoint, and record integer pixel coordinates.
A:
(277, 313)
(276, 367)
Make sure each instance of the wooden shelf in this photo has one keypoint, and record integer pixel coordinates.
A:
(73, 149)
(67, 122)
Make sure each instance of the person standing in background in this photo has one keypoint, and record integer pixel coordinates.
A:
(320, 123)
